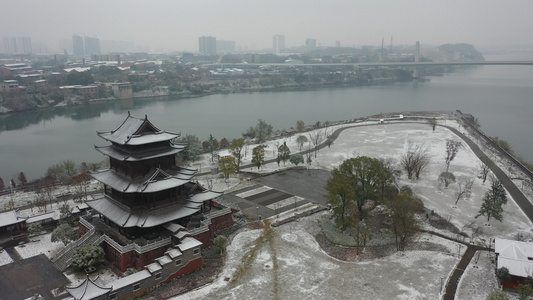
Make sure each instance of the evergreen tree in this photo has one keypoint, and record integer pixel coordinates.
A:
(258, 156)
(284, 153)
(493, 201)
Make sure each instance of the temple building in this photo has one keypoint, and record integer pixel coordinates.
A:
(151, 211)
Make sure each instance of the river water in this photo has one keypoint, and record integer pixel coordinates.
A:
(501, 97)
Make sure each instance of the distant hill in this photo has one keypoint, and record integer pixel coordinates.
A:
(461, 52)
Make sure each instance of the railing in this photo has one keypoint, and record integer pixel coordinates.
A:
(134, 246)
(75, 243)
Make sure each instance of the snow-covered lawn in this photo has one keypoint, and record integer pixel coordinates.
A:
(479, 278)
(288, 263)
(39, 245)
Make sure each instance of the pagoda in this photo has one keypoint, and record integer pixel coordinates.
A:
(149, 205)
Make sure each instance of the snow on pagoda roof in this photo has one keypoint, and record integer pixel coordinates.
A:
(189, 243)
(88, 289)
(156, 180)
(137, 156)
(135, 131)
(142, 218)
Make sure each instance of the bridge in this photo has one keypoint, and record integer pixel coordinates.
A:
(378, 64)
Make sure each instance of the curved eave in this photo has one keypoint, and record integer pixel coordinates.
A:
(141, 185)
(204, 196)
(135, 140)
(143, 218)
(123, 156)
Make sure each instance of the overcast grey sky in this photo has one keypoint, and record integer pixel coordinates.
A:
(177, 24)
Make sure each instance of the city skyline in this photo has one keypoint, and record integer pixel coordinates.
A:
(176, 26)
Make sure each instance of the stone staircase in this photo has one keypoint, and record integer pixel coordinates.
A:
(64, 257)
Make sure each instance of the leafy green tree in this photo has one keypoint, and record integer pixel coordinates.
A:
(446, 178)
(404, 223)
(193, 147)
(62, 171)
(296, 159)
(220, 243)
(64, 233)
(284, 153)
(360, 230)
(503, 274)
(66, 213)
(493, 201)
(88, 255)
(35, 228)
(354, 182)
(80, 78)
(258, 156)
(525, 292)
(341, 196)
(227, 166)
(263, 131)
(497, 295)
(236, 150)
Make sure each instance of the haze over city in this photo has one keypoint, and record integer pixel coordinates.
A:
(176, 25)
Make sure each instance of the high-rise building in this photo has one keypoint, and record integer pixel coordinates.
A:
(278, 43)
(208, 45)
(17, 45)
(77, 45)
(225, 46)
(310, 43)
(92, 45)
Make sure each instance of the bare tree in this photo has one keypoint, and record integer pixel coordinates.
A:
(316, 137)
(415, 160)
(484, 169)
(301, 140)
(452, 147)
(464, 188)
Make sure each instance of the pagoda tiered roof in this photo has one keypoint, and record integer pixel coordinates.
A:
(143, 218)
(156, 180)
(123, 155)
(135, 131)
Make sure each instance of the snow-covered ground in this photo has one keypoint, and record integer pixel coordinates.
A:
(39, 245)
(292, 265)
(288, 263)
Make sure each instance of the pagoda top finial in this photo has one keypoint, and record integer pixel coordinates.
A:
(146, 117)
(128, 113)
